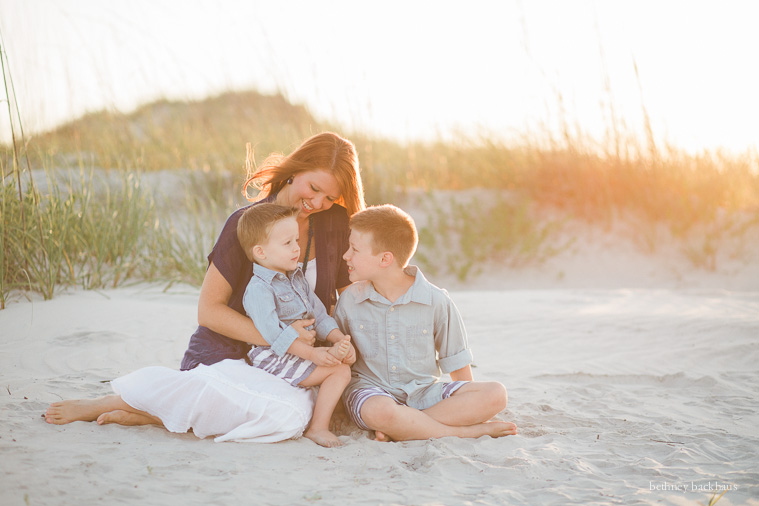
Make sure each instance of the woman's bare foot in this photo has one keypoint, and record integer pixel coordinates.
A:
(323, 437)
(122, 417)
(340, 349)
(80, 410)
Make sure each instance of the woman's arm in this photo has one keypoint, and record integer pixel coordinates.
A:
(214, 313)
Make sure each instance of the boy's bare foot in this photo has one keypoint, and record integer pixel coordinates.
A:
(381, 436)
(122, 417)
(494, 428)
(340, 349)
(323, 438)
(85, 410)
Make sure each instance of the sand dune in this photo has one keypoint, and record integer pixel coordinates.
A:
(644, 396)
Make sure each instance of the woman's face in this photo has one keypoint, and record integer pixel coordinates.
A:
(311, 192)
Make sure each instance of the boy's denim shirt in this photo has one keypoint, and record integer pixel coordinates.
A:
(274, 301)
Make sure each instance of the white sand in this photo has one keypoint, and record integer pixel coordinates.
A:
(622, 396)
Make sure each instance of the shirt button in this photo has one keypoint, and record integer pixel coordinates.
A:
(392, 309)
(392, 337)
(361, 326)
(393, 368)
(424, 331)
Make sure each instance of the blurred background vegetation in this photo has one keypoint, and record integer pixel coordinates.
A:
(112, 198)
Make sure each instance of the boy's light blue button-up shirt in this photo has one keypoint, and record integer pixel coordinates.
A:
(403, 345)
(274, 301)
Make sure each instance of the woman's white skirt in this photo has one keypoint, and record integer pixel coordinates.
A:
(229, 399)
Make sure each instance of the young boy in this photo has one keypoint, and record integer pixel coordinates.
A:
(277, 296)
(406, 330)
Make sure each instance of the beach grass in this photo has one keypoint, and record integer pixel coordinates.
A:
(141, 196)
(93, 229)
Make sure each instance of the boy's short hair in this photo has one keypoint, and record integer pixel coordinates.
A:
(254, 225)
(392, 229)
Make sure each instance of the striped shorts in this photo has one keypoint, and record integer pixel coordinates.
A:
(287, 367)
(355, 400)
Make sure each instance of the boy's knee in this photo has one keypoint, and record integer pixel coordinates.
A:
(497, 395)
(379, 412)
(343, 371)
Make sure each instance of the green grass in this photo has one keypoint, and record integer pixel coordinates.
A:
(93, 230)
(124, 198)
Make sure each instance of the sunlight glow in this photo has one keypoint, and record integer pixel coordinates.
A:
(418, 70)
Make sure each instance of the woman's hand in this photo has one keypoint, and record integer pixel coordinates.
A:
(305, 335)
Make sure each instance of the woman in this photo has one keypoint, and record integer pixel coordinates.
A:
(218, 392)
(322, 172)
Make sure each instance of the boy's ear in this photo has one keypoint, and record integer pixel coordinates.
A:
(386, 260)
(258, 251)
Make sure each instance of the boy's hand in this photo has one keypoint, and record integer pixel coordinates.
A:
(307, 336)
(322, 357)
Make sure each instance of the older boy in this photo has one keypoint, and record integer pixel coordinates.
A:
(406, 330)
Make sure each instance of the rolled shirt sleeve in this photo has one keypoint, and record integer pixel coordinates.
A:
(456, 362)
(324, 328)
(284, 340)
(450, 336)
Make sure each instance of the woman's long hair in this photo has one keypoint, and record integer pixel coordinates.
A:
(325, 151)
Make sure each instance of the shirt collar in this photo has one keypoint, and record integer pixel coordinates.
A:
(420, 291)
(268, 275)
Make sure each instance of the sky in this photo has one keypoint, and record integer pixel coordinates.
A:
(403, 69)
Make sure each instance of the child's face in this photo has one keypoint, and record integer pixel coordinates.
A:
(281, 251)
(362, 263)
